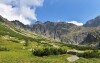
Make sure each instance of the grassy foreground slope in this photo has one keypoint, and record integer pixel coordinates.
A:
(13, 49)
(17, 53)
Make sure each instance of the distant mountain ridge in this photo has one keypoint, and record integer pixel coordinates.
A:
(65, 32)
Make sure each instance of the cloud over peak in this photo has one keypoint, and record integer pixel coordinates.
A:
(76, 23)
(22, 10)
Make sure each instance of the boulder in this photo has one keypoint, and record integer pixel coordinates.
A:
(72, 58)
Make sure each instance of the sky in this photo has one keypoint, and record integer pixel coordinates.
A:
(29, 11)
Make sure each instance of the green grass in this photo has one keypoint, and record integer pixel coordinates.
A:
(4, 30)
(18, 53)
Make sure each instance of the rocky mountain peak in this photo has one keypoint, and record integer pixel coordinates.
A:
(93, 22)
(98, 17)
(38, 22)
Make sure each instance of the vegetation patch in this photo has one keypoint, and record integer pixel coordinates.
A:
(80, 47)
(48, 51)
(2, 48)
(92, 54)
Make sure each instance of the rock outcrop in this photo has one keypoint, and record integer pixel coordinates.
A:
(83, 36)
(93, 22)
(53, 30)
(21, 25)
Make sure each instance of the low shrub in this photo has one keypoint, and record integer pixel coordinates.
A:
(26, 43)
(80, 47)
(16, 41)
(93, 54)
(2, 48)
(48, 51)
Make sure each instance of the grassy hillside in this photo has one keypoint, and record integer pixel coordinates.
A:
(13, 47)
(18, 53)
(5, 30)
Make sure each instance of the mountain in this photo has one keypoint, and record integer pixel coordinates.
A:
(93, 22)
(19, 44)
(52, 29)
(18, 31)
(61, 31)
(8, 28)
(21, 25)
(18, 23)
(83, 36)
(67, 32)
(2, 19)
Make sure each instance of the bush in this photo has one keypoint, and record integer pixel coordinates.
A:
(26, 43)
(93, 54)
(48, 51)
(2, 48)
(16, 41)
(80, 47)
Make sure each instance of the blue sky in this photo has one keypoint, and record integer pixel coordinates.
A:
(29, 11)
(68, 10)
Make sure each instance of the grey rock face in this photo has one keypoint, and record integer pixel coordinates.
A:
(21, 25)
(93, 22)
(83, 37)
(18, 23)
(52, 29)
(65, 32)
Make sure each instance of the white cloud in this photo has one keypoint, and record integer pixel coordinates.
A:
(76, 23)
(22, 10)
